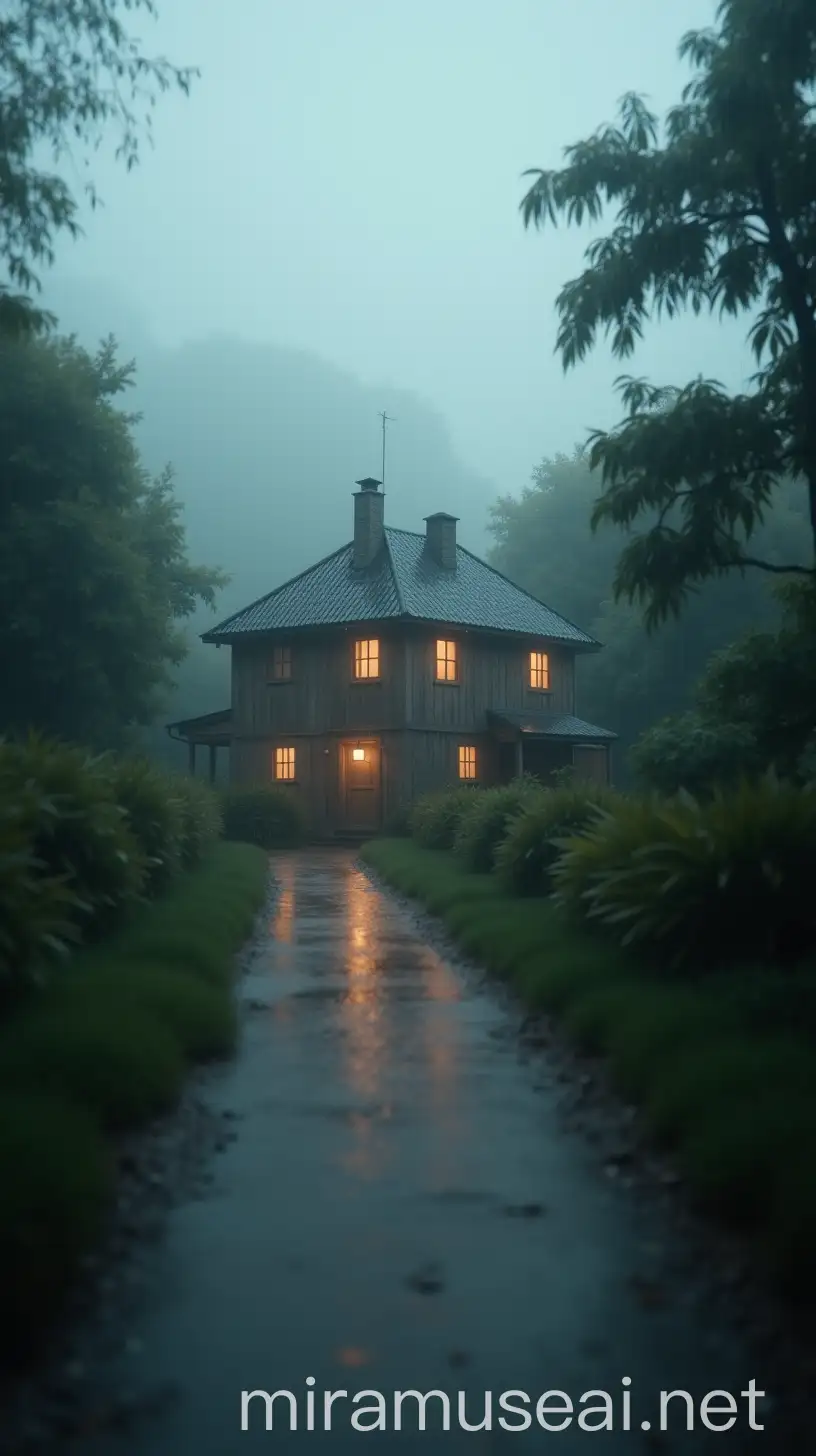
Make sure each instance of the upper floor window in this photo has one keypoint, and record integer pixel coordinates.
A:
(284, 763)
(367, 658)
(467, 762)
(279, 668)
(446, 661)
(539, 671)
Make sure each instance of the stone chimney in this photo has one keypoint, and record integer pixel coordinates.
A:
(368, 521)
(440, 539)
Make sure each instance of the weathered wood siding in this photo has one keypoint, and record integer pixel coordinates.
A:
(591, 763)
(493, 674)
(322, 695)
(420, 723)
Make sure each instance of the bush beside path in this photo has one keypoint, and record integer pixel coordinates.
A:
(718, 1055)
(121, 912)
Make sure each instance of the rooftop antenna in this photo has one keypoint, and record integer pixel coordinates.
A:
(390, 420)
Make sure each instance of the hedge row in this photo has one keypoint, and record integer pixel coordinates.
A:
(84, 840)
(269, 816)
(692, 885)
(102, 1049)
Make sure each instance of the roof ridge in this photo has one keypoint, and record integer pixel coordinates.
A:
(267, 596)
(524, 592)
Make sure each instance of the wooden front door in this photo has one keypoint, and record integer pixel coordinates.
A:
(360, 783)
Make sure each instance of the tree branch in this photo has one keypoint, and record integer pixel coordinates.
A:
(769, 566)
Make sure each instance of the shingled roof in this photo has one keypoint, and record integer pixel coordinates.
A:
(405, 584)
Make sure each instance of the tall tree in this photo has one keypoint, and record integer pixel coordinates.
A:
(715, 210)
(70, 73)
(544, 542)
(94, 577)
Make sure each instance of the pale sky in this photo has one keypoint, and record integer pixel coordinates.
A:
(345, 178)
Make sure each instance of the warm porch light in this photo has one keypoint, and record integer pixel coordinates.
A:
(358, 754)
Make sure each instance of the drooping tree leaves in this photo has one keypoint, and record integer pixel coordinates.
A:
(71, 74)
(715, 210)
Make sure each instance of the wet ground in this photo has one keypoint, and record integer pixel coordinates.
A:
(402, 1208)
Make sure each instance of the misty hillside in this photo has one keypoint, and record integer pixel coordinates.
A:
(266, 443)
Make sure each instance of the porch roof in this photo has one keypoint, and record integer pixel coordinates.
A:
(214, 729)
(562, 727)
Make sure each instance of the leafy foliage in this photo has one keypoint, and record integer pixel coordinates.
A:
(525, 856)
(486, 820)
(700, 885)
(154, 816)
(756, 709)
(38, 912)
(77, 830)
(82, 839)
(94, 575)
(545, 543)
(68, 73)
(693, 753)
(267, 816)
(201, 818)
(434, 818)
(714, 212)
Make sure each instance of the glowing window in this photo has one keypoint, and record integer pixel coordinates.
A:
(445, 661)
(367, 658)
(467, 762)
(284, 763)
(539, 671)
(280, 668)
(358, 754)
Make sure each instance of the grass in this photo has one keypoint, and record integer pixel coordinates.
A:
(721, 1067)
(102, 1048)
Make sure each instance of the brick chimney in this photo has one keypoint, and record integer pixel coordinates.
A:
(440, 539)
(368, 521)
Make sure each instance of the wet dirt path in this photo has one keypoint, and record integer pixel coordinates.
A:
(401, 1208)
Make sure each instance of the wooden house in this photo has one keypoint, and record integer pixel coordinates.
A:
(399, 664)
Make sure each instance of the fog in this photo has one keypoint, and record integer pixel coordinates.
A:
(344, 182)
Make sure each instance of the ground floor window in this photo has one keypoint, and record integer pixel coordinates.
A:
(284, 763)
(467, 762)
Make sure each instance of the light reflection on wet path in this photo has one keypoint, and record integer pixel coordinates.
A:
(385, 1126)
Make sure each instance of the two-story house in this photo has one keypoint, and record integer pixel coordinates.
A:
(400, 663)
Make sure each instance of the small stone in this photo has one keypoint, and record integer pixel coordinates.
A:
(427, 1280)
(458, 1358)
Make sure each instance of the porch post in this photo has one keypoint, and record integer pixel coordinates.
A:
(213, 751)
(191, 756)
(519, 757)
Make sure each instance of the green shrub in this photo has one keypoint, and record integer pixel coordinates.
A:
(77, 831)
(267, 816)
(123, 1069)
(691, 752)
(526, 855)
(38, 912)
(487, 818)
(153, 811)
(701, 885)
(54, 1187)
(434, 818)
(200, 1014)
(202, 818)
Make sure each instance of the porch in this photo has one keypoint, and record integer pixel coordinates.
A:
(543, 744)
(211, 731)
